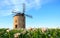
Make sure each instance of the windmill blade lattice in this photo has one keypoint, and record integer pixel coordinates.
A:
(28, 15)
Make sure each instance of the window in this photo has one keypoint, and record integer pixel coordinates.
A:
(16, 21)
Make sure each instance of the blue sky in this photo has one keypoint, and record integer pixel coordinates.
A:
(46, 13)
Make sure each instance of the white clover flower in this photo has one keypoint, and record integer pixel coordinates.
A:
(24, 32)
(43, 29)
(34, 29)
(16, 35)
(49, 35)
(7, 30)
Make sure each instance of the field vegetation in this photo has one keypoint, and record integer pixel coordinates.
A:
(30, 33)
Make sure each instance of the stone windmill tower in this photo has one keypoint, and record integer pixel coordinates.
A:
(19, 19)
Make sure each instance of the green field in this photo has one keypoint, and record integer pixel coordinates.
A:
(30, 33)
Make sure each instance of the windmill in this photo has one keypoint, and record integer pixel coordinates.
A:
(19, 18)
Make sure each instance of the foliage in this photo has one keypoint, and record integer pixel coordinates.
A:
(30, 33)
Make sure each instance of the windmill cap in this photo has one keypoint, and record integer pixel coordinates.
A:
(19, 14)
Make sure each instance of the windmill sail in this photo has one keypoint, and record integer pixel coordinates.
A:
(23, 7)
(28, 15)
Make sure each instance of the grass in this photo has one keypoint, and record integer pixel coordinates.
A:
(30, 33)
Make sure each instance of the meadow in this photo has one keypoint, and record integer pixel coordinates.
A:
(30, 33)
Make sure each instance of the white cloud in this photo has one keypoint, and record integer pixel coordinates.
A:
(17, 4)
